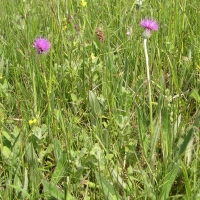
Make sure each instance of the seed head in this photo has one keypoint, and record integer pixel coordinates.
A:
(99, 34)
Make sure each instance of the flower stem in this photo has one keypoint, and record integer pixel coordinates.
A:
(149, 86)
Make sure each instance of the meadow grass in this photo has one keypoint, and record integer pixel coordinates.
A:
(76, 121)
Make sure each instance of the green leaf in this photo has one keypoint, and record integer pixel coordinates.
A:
(6, 152)
(167, 183)
(94, 104)
(60, 168)
(118, 179)
(42, 153)
(184, 144)
(156, 135)
(57, 151)
(17, 181)
(3, 113)
(107, 188)
(7, 136)
(74, 98)
(25, 188)
(197, 120)
(142, 131)
(52, 190)
(187, 184)
(25, 193)
(195, 95)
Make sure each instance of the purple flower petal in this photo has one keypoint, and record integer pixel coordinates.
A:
(42, 45)
(149, 24)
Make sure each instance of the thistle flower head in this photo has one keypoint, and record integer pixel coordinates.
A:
(42, 45)
(148, 25)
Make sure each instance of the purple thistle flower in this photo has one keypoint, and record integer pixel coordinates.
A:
(42, 45)
(149, 24)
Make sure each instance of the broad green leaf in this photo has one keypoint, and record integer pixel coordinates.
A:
(118, 179)
(60, 168)
(6, 152)
(15, 132)
(17, 182)
(42, 153)
(197, 120)
(74, 98)
(51, 189)
(142, 131)
(25, 188)
(176, 125)
(57, 151)
(195, 95)
(184, 144)
(167, 183)
(156, 135)
(107, 188)
(34, 173)
(166, 135)
(94, 104)
(25, 193)
(3, 113)
(187, 141)
(189, 150)
(6, 135)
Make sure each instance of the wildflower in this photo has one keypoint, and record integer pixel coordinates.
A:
(139, 2)
(148, 25)
(64, 22)
(68, 20)
(76, 27)
(127, 33)
(42, 45)
(32, 121)
(92, 56)
(83, 3)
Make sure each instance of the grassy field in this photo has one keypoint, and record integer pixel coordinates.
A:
(78, 122)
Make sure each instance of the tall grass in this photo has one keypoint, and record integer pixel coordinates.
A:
(91, 138)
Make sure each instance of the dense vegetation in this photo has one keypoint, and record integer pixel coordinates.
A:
(75, 122)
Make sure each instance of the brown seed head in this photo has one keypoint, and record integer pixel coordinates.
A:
(99, 34)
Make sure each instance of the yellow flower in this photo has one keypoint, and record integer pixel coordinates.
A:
(92, 56)
(32, 121)
(64, 23)
(83, 3)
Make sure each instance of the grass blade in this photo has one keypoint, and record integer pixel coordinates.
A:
(107, 188)
(167, 183)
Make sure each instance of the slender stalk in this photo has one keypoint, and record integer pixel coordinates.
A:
(149, 85)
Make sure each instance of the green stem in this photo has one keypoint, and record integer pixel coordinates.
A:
(149, 85)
